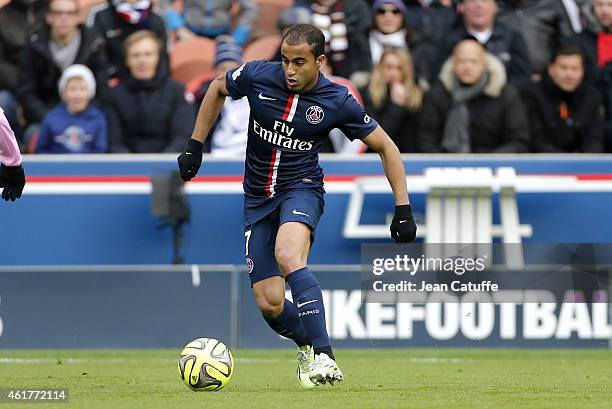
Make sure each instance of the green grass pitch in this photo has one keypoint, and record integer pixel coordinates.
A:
(375, 378)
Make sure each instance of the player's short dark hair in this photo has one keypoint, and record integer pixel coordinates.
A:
(568, 49)
(306, 33)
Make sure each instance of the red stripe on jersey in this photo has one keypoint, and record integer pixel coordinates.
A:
(288, 107)
(271, 173)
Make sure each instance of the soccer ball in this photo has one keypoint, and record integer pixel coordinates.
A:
(206, 364)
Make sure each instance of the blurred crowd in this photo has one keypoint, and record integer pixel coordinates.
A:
(444, 76)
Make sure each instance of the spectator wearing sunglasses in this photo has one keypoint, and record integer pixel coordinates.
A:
(390, 32)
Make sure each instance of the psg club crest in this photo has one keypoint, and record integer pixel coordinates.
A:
(314, 114)
(250, 265)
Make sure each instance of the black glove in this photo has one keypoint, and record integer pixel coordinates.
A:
(12, 179)
(403, 227)
(190, 160)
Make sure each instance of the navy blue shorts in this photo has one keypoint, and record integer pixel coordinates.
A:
(262, 220)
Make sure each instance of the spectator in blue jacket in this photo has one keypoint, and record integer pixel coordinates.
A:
(74, 125)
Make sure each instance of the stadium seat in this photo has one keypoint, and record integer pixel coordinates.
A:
(263, 48)
(191, 58)
(196, 82)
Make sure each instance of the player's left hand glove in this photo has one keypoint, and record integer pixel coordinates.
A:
(12, 179)
(403, 227)
(190, 160)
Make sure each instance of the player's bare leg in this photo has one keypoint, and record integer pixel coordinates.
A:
(292, 247)
(291, 252)
(270, 295)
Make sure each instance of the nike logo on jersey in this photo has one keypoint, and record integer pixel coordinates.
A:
(305, 303)
(261, 96)
(299, 213)
(403, 221)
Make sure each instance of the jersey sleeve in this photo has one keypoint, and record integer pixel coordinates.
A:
(238, 80)
(355, 122)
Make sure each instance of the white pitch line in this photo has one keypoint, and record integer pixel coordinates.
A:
(440, 360)
(121, 361)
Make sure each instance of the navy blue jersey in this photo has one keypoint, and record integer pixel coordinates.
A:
(286, 130)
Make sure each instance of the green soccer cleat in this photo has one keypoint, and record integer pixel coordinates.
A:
(305, 358)
(325, 370)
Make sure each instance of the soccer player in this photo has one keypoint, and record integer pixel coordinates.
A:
(12, 177)
(293, 107)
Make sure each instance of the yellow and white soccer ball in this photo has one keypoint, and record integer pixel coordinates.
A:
(206, 364)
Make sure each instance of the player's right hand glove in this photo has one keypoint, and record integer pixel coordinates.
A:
(190, 160)
(12, 179)
(403, 227)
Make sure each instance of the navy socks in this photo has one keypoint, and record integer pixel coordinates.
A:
(308, 299)
(289, 325)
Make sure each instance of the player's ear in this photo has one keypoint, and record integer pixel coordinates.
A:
(320, 61)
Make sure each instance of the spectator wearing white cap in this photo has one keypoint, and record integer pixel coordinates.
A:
(74, 125)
